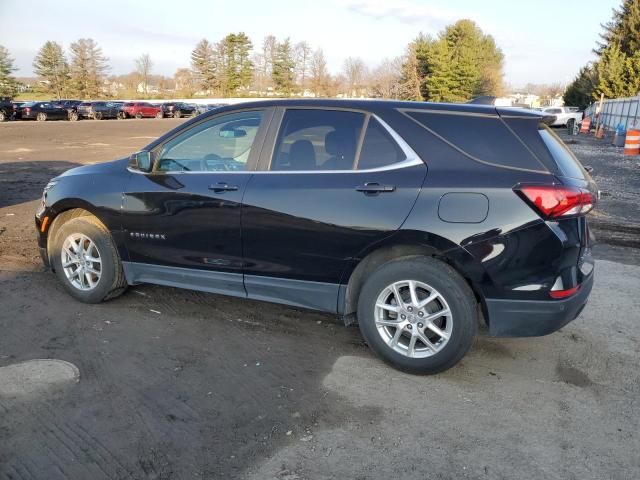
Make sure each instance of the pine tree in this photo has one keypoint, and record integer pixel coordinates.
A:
(614, 70)
(204, 66)
(579, 92)
(234, 67)
(51, 66)
(8, 83)
(88, 68)
(623, 29)
(283, 73)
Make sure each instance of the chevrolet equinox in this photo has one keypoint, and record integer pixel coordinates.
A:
(412, 219)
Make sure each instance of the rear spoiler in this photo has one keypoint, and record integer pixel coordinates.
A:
(513, 111)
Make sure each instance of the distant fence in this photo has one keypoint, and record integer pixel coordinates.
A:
(625, 111)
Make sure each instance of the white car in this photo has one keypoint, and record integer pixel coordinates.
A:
(563, 115)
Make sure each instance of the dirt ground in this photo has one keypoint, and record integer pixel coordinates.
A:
(174, 384)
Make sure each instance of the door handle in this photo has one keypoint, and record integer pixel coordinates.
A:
(373, 187)
(223, 187)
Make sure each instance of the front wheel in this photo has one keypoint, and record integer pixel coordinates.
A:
(418, 314)
(159, 115)
(98, 116)
(41, 117)
(3, 116)
(138, 115)
(86, 261)
(177, 114)
(73, 116)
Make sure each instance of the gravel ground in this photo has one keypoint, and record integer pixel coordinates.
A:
(169, 384)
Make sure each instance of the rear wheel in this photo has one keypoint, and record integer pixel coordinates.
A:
(3, 116)
(176, 114)
(138, 115)
(73, 116)
(86, 261)
(41, 117)
(418, 314)
(159, 115)
(98, 116)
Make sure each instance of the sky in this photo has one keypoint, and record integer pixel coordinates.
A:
(545, 41)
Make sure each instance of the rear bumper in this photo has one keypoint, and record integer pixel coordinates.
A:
(534, 318)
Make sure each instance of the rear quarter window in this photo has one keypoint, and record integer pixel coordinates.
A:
(483, 138)
(567, 162)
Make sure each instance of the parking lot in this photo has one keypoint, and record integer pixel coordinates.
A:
(174, 384)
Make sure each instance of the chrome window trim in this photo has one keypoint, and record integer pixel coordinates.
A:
(411, 157)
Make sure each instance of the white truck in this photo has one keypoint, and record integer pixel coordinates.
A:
(564, 115)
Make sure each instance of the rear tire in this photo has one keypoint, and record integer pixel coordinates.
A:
(177, 114)
(98, 116)
(41, 117)
(3, 116)
(89, 281)
(159, 115)
(73, 116)
(138, 115)
(452, 313)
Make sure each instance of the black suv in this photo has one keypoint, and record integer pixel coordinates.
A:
(178, 109)
(404, 217)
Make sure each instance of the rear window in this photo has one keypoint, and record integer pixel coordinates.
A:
(483, 138)
(567, 162)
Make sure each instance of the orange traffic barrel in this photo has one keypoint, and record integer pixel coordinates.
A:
(632, 143)
(586, 125)
(600, 131)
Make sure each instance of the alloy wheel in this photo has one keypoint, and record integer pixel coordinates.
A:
(81, 261)
(413, 319)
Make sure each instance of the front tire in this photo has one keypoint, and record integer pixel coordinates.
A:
(73, 116)
(138, 115)
(86, 261)
(97, 116)
(159, 115)
(41, 117)
(177, 114)
(3, 116)
(418, 314)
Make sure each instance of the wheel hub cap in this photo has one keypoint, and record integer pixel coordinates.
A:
(81, 261)
(413, 318)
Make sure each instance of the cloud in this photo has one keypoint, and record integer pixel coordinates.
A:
(405, 11)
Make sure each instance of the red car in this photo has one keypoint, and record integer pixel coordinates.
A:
(140, 110)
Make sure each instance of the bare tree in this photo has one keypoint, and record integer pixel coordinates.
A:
(185, 82)
(355, 72)
(318, 74)
(302, 55)
(386, 79)
(263, 62)
(143, 67)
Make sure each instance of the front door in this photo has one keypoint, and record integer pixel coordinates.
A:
(182, 220)
(337, 182)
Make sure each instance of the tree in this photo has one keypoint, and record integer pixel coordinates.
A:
(615, 73)
(51, 66)
(579, 92)
(623, 29)
(8, 83)
(386, 79)
(462, 63)
(355, 72)
(233, 65)
(410, 80)
(302, 55)
(143, 67)
(203, 66)
(88, 68)
(318, 75)
(185, 82)
(283, 73)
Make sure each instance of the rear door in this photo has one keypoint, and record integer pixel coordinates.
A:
(331, 183)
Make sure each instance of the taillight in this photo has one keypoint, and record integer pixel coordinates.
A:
(26, 110)
(557, 201)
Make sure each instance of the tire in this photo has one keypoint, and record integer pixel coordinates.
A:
(138, 115)
(122, 116)
(41, 117)
(73, 116)
(177, 114)
(98, 116)
(3, 116)
(110, 282)
(460, 326)
(159, 115)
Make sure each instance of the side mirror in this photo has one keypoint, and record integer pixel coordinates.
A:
(141, 161)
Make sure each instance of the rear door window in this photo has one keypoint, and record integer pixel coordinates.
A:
(567, 162)
(314, 139)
